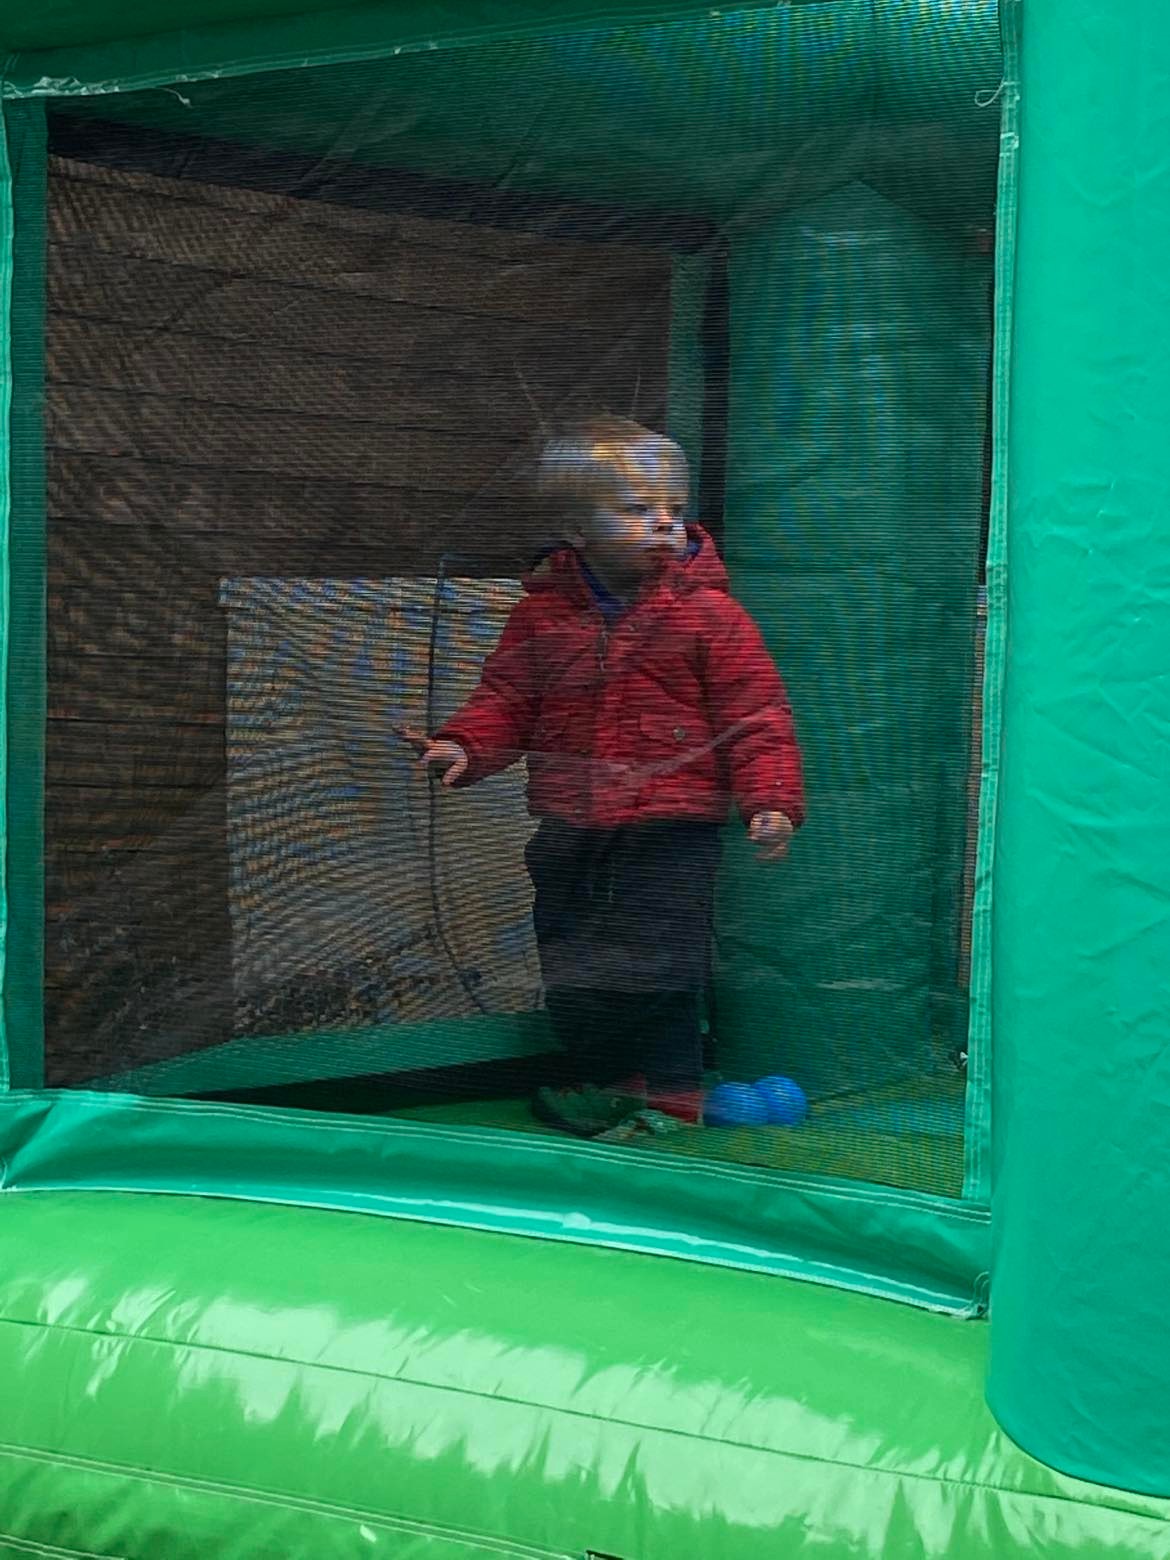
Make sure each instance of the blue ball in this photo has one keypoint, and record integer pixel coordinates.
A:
(735, 1105)
(785, 1101)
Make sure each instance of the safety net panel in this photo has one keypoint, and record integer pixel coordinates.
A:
(514, 531)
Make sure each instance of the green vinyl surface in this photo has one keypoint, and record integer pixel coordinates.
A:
(332, 1385)
(1079, 1371)
(920, 1248)
(847, 999)
(1080, 1368)
(907, 1134)
(273, 1061)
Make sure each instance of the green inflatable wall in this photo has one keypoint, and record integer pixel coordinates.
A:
(1080, 1367)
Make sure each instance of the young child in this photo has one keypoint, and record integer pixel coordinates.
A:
(645, 702)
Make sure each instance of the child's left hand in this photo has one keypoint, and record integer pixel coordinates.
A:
(772, 832)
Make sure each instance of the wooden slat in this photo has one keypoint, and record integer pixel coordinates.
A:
(114, 757)
(86, 555)
(493, 246)
(510, 404)
(122, 881)
(80, 625)
(135, 631)
(147, 427)
(176, 922)
(245, 384)
(124, 620)
(128, 1008)
(557, 284)
(121, 491)
(255, 376)
(152, 295)
(137, 928)
(134, 621)
(165, 823)
(83, 686)
(205, 558)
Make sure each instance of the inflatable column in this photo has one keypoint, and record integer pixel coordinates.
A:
(1080, 1369)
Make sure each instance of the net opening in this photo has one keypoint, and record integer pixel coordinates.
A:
(306, 337)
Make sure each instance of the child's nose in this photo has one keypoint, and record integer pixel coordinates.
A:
(663, 520)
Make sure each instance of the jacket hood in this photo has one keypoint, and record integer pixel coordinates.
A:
(704, 570)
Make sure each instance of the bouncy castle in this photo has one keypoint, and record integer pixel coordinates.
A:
(288, 1264)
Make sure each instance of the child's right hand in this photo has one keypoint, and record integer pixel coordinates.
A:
(448, 758)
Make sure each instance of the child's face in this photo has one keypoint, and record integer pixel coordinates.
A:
(637, 531)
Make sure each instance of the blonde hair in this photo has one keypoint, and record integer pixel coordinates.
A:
(584, 466)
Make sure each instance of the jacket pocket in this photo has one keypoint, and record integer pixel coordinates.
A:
(677, 734)
(676, 747)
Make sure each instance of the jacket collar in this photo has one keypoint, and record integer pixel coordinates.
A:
(563, 571)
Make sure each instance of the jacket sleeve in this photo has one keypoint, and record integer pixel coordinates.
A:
(752, 718)
(495, 726)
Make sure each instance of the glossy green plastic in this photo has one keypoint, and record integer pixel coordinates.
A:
(1080, 1363)
(194, 1378)
(909, 1246)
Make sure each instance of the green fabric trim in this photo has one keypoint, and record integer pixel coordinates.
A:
(319, 38)
(24, 677)
(977, 1132)
(922, 1250)
(6, 250)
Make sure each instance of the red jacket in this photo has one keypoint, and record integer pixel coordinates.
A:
(672, 711)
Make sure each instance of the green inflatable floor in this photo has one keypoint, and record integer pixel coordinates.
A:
(909, 1137)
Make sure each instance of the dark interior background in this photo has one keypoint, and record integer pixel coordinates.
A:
(243, 381)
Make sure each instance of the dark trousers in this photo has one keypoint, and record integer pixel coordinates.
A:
(623, 924)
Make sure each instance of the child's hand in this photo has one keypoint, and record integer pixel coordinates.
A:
(772, 832)
(448, 757)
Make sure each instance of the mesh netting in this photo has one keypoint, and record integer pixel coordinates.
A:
(305, 336)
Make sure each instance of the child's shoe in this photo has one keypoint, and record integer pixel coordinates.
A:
(586, 1112)
(685, 1105)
